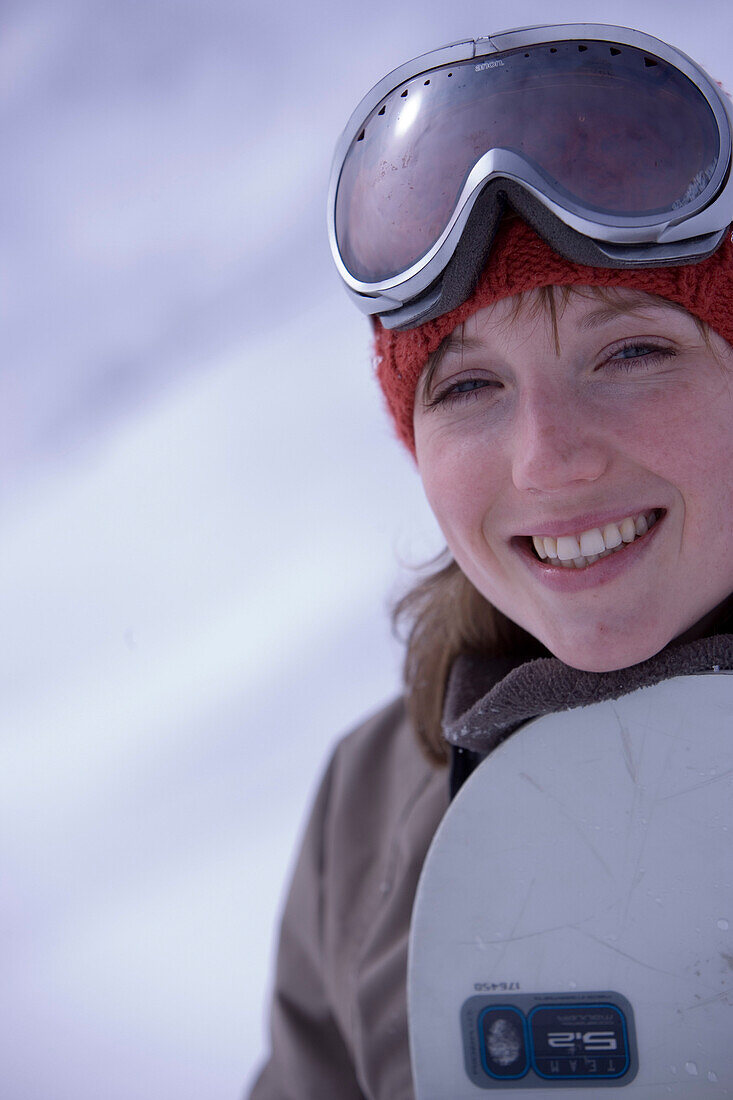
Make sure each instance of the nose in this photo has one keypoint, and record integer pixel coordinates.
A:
(556, 442)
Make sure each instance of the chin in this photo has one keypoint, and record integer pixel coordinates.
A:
(585, 664)
(604, 655)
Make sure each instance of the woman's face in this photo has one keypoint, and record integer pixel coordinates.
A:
(624, 416)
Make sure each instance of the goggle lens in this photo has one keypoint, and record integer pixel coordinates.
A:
(609, 128)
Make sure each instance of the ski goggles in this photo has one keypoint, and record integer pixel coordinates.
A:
(612, 145)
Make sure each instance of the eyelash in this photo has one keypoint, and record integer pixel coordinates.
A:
(451, 395)
(654, 354)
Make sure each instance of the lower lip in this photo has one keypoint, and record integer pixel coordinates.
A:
(561, 579)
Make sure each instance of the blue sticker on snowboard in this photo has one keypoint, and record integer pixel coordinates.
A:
(541, 1040)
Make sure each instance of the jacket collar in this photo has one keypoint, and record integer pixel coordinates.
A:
(487, 698)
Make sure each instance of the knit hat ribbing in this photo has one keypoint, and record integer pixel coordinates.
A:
(521, 261)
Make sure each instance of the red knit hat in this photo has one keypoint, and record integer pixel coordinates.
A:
(521, 261)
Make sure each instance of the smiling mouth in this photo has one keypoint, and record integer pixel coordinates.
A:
(587, 547)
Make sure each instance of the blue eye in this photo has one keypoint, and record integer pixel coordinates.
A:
(636, 351)
(639, 356)
(464, 390)
(469, 386)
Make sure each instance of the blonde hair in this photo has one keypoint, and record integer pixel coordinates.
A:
(447, 617)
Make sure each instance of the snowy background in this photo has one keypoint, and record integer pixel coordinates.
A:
(203, 514)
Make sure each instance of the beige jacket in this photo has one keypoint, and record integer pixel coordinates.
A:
(339, 1016)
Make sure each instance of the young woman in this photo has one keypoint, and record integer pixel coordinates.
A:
(539, 224)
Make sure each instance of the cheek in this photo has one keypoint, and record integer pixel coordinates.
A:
(693, 449)
(685, 438)
(461, 484)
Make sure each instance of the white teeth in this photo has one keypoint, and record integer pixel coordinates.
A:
(579, 551)
(627, 529)
(612, 536)
(568, 548)
(591, 542)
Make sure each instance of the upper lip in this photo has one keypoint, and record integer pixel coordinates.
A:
(556, 528)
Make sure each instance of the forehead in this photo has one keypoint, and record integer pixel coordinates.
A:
(585, 308)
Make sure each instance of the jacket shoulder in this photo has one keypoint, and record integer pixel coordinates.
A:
(339, 1019)
(379, 772)
(385, 803)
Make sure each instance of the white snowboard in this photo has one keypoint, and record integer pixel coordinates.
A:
(573, 925)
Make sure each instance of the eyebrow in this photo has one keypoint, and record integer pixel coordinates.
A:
(456, 342)
(596, 318)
